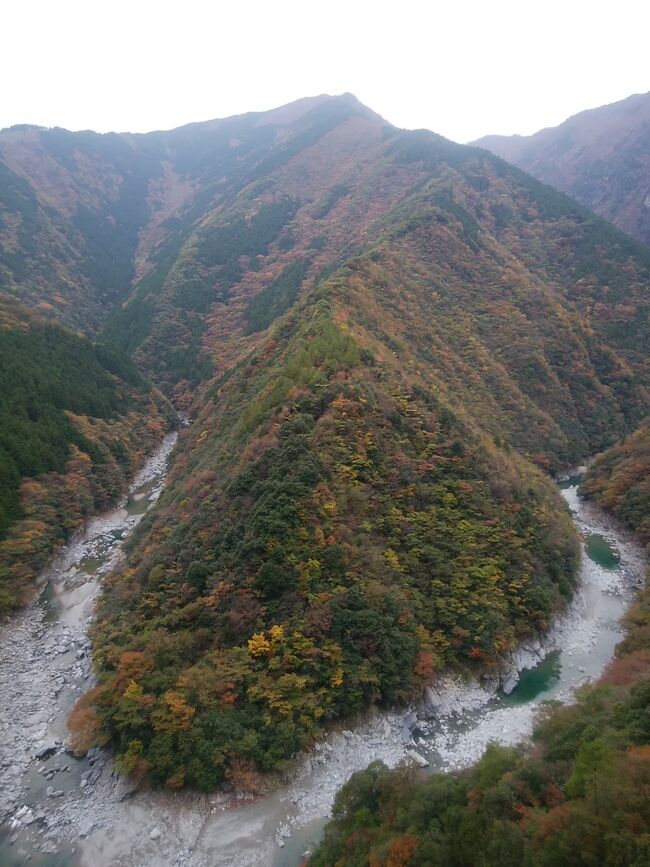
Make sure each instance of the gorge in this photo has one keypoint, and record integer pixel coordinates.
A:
(389, 345)
(96, 817)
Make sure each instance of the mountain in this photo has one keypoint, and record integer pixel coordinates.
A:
(578, 795)
(600, 157)
(72, 206)
(82, 214)
(389, 335)
(471, 268)
(387, 342)
(75, 423)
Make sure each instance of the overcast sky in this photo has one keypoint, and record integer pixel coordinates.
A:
(463, 69)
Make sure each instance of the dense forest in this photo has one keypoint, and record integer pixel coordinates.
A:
(72, 206)
(578, 797)
(75, 422)
(600, 157)
(619, 480)
(518, 277)
(332, 544)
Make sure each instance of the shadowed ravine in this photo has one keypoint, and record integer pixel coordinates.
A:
(63, 811)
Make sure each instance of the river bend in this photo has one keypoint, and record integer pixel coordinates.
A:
(60, 810)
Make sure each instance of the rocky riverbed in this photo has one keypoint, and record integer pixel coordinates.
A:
(45, 665)
(86, 814)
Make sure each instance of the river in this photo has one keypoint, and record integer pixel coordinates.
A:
(64, 811)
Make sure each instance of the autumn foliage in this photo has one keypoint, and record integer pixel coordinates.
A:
(580, 795)
(75, 423)
(619, 480)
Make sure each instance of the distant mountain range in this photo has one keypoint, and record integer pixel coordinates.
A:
(600, 157)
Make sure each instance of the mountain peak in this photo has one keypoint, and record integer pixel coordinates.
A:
(293, 111)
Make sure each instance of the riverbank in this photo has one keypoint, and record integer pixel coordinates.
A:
(107, 822)
(45, 665)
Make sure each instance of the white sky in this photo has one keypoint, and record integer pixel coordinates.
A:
(463, 68)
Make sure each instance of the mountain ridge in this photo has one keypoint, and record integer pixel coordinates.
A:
(402, 338)
(289, 108)
(85, 197)
(601, 157)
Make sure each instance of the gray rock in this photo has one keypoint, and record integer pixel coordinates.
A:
(24, 815)
(45, 751)
(125, 788)
(155, 834)
(28, 818)
(417, 758)
(219, 799)
(509, 680)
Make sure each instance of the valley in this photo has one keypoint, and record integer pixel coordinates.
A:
(390, 346)
(100, 819)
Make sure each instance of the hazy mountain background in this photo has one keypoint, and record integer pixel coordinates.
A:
(600, 157)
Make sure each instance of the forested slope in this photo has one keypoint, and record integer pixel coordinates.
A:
(578, 797)
(333, 534)
(619, 480)
(72, 205)
(82, 214)
(387, 342)
(405, 335)
(480, 238)
(600, 157)
(75, 421)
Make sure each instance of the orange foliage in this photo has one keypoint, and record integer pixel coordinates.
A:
(401, 850)
(425, 666)
(551, 823)
(132, 666)
(180, 709)
(243, 775)
(84, 723)
(627, 669)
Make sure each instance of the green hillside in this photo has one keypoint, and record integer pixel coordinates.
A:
(619, 480)
(406, 336)
(578, 796)
(334, 534)
(75, 420)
